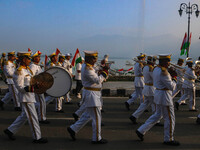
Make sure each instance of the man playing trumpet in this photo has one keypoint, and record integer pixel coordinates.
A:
(180, 79)
(189, 87)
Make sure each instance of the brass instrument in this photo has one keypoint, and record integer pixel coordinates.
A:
(182, 70)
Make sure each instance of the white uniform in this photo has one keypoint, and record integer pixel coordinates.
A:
(22, 79)
(9, 69)
(67, 64)
(189, 88)
(40, 99)
(164, 104)
(139, 84)
(148, 92)
(92, 100)
(180, 80)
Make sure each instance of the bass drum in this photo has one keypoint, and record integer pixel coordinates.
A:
(62, 81)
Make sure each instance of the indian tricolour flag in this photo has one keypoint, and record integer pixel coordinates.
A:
(185, 44)
(77, 58)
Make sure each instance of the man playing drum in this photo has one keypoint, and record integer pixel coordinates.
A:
(92, 83)
(22, 78)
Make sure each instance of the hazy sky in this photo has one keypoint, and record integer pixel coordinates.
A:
(69, 24)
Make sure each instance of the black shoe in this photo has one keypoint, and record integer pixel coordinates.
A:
(72, 133)
(133, 119)
(198, 120)
(159, 124)
(140, 135)
(183, 104)
(68, 103)
(127, 106)
(102, 141)
(18, 109)
(1, 105)
(102, 111)
(194, 110)
(40, 141)
(177, 105)
(44, 122)
(59, 111)
(172, 143)
(75, 116)
(78, 104)
(9, 134)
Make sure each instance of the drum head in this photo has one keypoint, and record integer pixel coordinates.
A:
(62, 81)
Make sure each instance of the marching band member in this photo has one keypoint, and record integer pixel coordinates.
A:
(91, 96)
(22, 77)
(189, 87)
(138, 82)
(180, 79)
(68, 66)
(49, 99)
(9, 69)
(79, 85)
(59, 100)
(40, 99)
(148, 90)
(164, 103)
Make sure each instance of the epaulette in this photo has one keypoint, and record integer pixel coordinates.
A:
(164, 70)
(6, 63)
(151, 68)
(89, 67)
(30, 70)
(19, 69)
(141, 64)
(51, 64)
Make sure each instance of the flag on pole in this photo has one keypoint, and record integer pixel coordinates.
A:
(76, 59)
(183, 44)
(29, 50)
(57, 51)
(188, 44)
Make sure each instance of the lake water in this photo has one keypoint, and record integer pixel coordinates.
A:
(119, 62)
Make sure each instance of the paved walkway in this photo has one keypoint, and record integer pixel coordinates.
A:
(118, 129)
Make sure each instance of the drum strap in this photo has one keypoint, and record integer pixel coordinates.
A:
(92, 89)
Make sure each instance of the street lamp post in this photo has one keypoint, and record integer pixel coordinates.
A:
(189, 9)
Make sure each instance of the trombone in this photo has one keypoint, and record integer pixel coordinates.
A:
(182, 70)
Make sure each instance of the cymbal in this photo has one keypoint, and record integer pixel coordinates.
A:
(42, 82)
